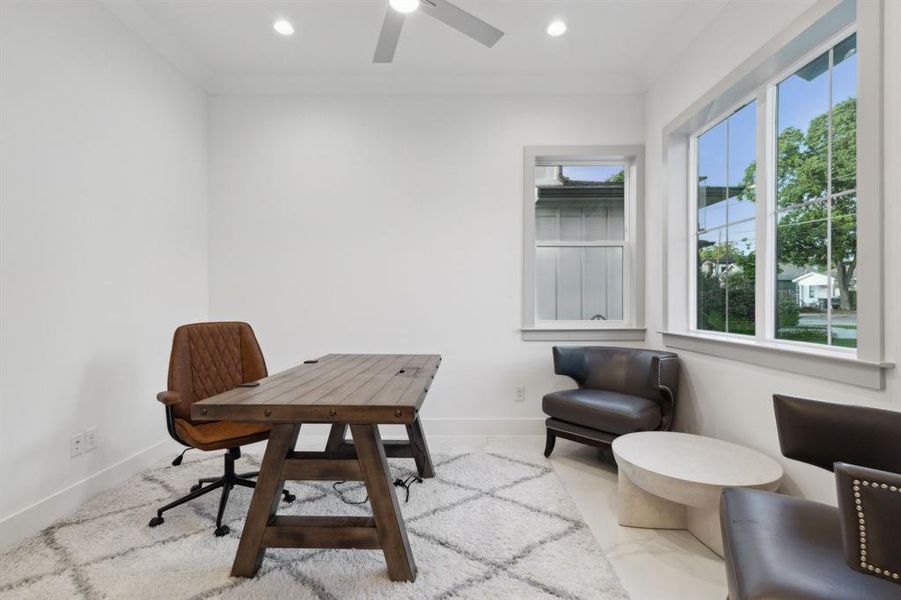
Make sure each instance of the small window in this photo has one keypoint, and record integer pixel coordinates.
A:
(580, 223)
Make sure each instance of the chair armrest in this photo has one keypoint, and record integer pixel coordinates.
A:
(571, 361)
(169, 398)
(869, 503)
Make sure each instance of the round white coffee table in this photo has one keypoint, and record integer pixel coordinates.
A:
(670, 480)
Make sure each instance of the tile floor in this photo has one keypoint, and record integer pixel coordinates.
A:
(652, 564)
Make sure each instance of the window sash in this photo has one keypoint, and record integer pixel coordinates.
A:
(622, 244)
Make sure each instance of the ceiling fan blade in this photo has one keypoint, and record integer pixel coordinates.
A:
(462, 21)
(387, 44)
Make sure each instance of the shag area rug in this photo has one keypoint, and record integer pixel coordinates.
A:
(488, 526)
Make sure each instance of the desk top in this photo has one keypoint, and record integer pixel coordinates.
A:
(337, 388)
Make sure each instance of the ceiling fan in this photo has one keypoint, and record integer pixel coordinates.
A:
(442, 10)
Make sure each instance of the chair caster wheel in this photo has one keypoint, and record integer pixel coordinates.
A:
(155, 521)
(222, 530)
(289, 498)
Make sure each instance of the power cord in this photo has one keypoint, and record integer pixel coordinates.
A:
(402, 483)
(406, 483)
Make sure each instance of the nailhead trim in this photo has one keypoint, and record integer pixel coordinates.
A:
(863, 526)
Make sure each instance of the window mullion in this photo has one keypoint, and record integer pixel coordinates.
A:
(764, 294)
(728, 247)
(830, 289)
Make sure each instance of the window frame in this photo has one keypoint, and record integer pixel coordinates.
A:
(815, 31)
(765, 219)
(630, 327)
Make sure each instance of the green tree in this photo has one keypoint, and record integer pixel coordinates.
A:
(617, 178)
(726, 276)
(801, 176)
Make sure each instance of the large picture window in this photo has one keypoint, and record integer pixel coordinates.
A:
(810, 146)
(814, 248)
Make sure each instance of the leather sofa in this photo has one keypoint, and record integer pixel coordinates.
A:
(783, 547)
(621, 390)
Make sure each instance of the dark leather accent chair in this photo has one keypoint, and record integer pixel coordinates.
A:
(208, 359)
(621, 390)
(782, 547)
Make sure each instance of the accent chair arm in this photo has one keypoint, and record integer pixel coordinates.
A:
(572, 362)
(869, 503)
(169, 398)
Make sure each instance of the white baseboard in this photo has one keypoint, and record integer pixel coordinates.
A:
(480, 426)
(42, 513)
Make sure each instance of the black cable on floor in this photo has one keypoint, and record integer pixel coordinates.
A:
(403, 483)
(345, 500)
(406, 483)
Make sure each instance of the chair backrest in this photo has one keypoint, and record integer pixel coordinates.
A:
(823, 433)
(624, 370)
(211, 358)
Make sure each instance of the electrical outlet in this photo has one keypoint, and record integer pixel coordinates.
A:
(519, 393)
(76, 444)
(90, 439)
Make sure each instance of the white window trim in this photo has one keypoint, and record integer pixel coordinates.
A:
(826, 21)
(631, 327)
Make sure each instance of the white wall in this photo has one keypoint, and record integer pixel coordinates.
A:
(393, 224)
(724, 398)
(104, 247)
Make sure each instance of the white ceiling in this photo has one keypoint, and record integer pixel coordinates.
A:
(229, 45)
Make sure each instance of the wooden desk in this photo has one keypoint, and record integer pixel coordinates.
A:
(356, 390)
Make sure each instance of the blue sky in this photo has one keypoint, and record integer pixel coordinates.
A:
(801, 97)
(590, 172)
(801, 100)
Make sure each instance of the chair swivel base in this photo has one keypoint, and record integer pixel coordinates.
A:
(229, 480)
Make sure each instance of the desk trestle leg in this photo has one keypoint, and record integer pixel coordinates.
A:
(265, 500)
(415, 448)
(385, 508)
(364, 460)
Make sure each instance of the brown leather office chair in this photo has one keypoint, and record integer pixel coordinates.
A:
(208, 359)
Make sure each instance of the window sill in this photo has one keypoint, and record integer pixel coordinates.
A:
(835, 366)
(584, 334)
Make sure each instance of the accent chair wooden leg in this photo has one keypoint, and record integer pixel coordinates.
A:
(385, 508)
(264, 503)
(549, 445)
(420, 449)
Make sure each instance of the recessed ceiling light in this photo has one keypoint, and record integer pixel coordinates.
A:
(283, 27)
(404, 6)
(556, 28)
